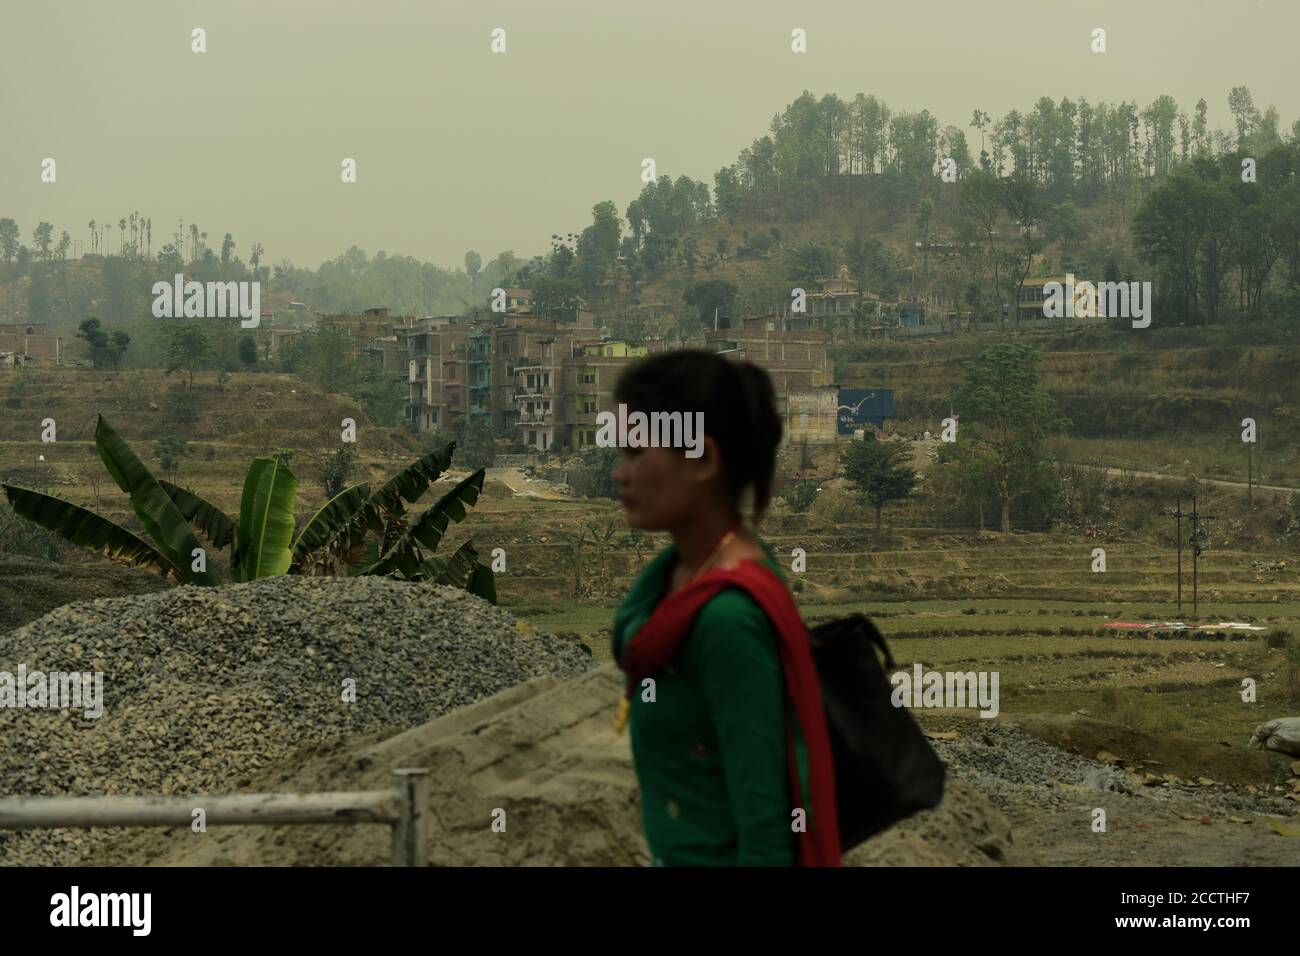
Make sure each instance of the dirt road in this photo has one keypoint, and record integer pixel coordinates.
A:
(1240, 485)
(527, 487)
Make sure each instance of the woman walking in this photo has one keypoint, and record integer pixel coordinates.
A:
(727, 728)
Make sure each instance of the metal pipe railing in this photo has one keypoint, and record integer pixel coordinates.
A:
(405, 808)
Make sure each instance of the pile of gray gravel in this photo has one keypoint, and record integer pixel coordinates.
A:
(1015, 769)
(205, 686)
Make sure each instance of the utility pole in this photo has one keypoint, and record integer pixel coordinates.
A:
(1248, 482)
(1178, 514)
(1195, 541)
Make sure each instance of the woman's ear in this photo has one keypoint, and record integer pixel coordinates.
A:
(708, 466)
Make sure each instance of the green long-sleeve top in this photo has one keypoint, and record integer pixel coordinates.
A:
(710, 749)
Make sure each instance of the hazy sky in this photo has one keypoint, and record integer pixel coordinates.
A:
(459, 148)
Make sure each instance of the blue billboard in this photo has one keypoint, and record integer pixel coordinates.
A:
(864, 406)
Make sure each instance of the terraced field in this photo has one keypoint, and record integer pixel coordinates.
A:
(1029, 607)
(1026, 605)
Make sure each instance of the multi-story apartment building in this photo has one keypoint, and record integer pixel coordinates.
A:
(436, 371)
(532, 354)
(548, 380)
(589, 386)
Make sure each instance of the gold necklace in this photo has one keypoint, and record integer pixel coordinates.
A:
(717, 549)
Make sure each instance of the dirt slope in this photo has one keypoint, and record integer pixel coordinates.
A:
(543, 752)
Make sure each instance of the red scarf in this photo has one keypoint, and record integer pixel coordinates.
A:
(657, 640)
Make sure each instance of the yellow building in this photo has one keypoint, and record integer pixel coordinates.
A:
(614, 349)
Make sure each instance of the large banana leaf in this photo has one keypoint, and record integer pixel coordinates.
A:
(161, 518)
(404, 556)
(342, 515)
(454, 571)
(483, 582)
(204, 515)
(85, 528)
(369, 559)
(413, 480)
(266, 520)
(462, 570)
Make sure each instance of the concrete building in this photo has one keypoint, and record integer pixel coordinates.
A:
(365, 326)
(836, 294)
(376, 335)
(271, 340)
(793, 355)
(30, 344)
(589, 386)
(838, 298)
(795, 358)
(1086, 307)
(435, 371)
(542, 378)
(546, 381)
(389, 352)
(519, 301)
(811, 414)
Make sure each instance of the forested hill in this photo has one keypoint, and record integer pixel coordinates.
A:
(913, 204)
(958, 215)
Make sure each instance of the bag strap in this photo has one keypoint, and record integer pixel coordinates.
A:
(878, 639)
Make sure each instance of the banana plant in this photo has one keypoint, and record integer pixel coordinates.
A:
(175, 549)
(374, 534)
(261, 541)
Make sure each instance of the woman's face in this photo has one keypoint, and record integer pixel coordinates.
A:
(656, 487)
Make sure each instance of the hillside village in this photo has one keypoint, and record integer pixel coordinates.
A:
(887, 301)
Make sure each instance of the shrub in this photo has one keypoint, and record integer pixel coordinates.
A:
(1279, 638)
(338, 469)
(260, 538)
(595, 477)
(836, 507)
(169, 452)
(799, 495)
(476, 446)
(181, 410)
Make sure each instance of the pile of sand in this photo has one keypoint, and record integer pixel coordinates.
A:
(545, 754)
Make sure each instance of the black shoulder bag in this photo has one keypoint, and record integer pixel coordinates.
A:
(885, 769)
